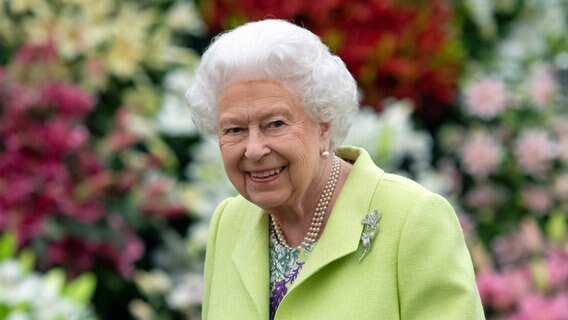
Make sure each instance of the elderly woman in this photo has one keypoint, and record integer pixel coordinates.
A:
(318, 231)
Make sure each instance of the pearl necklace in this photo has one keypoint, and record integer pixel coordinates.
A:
(319, 213)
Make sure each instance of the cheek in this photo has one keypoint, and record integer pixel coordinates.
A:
(230, 149)
(231, 157)
(304, 135)
(306, 145)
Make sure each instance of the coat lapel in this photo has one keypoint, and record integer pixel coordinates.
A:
(251, 259)
(343, 230)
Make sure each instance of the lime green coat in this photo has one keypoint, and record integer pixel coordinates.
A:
(418, 266)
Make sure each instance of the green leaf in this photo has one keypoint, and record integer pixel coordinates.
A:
(55, 278)
(4, 311)
(7, 246)
(27, 260)
(384, 147)
(556, 227)
(81, 289)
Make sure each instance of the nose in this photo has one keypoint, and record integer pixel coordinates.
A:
(256, 146)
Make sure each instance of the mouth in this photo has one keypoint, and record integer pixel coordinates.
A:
(266, 175)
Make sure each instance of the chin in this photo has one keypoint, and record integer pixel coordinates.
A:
(265, 203)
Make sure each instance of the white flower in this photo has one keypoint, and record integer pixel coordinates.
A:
(184, 16)
(542, 86)
(482, 13)
(197, 237)
(155, 282)
(40, 294)
(207, 177)
(141, 310)
(540, 22)
(17, 315)
(389, 137)
(174, 117)
(187, 292)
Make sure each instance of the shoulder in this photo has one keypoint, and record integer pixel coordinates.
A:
(231, 211)
(412, 203)
(389, 186)
(397, 196)
(397, 185)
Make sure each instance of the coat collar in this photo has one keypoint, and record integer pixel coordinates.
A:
(343, 229)
(340, 237)
(250, 257)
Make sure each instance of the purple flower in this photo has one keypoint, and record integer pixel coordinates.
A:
(280, 289)
(278, 294)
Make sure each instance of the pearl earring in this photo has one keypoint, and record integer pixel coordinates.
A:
(325, 154)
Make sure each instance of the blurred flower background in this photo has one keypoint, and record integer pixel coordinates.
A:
(106, 189)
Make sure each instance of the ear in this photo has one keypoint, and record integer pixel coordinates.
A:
(325, 133)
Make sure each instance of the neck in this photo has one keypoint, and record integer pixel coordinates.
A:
(302, 228)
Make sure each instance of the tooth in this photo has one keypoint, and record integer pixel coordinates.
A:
(267, 173)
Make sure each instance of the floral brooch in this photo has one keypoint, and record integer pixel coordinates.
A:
(370, 228)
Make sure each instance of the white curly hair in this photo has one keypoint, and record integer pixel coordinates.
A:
(281, 51)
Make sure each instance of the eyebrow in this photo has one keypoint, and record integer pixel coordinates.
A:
(270, 111)
(275, 110)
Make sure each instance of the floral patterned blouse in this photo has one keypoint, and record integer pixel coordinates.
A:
(285, 265)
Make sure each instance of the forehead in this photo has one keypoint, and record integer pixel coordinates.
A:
(261, 93)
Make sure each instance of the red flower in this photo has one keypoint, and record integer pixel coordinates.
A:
(69, 99)
(34, 53)
(393, 48)
(56, 188)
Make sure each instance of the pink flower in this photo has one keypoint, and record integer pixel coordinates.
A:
(481, 155)
(486, 98)
(486, 195)
(508, 249)
(62, 137)
(563, 147)
(530, 235)
(537, 199)
(30, 53)
(542, 86)
(512, 250)
(467, 223)
(561, 186)
(452, 177)
(534, 151)
(123, 258)
(497, 290)
(535, 307)
(77, 254)
(557, 266)
(18, 186)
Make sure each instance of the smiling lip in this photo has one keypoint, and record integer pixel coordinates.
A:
(265, 176)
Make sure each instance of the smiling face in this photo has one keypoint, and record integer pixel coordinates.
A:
(270, 146)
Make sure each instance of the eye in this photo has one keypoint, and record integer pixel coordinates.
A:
(276, 124)
(233, 130)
